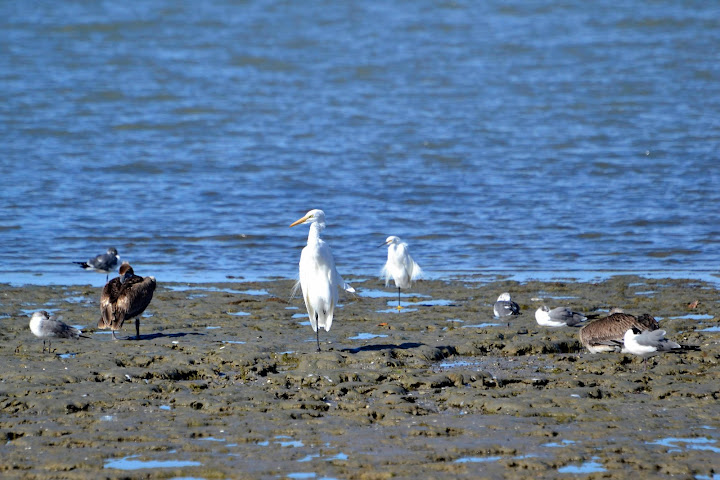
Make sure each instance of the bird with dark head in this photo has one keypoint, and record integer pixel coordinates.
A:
(103, 263)
(607, 334)
(124, 298)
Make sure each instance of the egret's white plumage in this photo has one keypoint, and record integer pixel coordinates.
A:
(400, 265)
(319, 279)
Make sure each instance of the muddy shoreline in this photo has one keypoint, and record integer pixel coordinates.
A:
(225, 383)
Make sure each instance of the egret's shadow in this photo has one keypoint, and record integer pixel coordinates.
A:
(375, 348)
(152, 336)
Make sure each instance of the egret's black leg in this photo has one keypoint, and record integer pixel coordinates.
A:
(317, 332)
(137, 328)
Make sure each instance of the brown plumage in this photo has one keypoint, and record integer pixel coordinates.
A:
(123, 298)
(606, 334)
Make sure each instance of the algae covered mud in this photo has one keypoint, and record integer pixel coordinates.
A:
(225, 383)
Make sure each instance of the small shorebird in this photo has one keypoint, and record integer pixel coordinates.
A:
(504, 306)
(648, 343)
(558, 317)
(42, 325)
(103, 263)
(123, 298)
(607, 334)
(319, 279)
(400, 265)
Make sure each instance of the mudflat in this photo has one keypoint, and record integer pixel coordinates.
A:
(225, 382)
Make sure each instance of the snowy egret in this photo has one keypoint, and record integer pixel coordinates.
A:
(606, 334)
(504, 306)
(319, 279)
(400, 265)
(125, 297)
(103, 263)
(558, 317)
(43, 326)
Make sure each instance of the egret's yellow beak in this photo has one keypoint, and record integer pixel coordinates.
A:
(298, 222)
(383, 244)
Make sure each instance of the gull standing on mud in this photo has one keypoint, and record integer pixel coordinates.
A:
(400, 265)
(42, 325)
(319, 279)
(607, 334)
(558, 317)
(103, 263)
(123, 298)
(505, 306)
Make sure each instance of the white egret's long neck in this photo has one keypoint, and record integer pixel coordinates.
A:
(314, 232)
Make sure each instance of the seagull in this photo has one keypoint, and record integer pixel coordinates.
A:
(558, 317)
(607, 334)
(42, 325)
(125, 297)
(505, 306)
(400, 266)
(103, 263)
(648, 343)
(319, 279)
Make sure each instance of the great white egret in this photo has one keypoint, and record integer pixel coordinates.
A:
(606, 334)
(103, 263)
(43, 326)
(504, 306)
(319, 279)
(558, 317)
(123, 298)
(400, 265)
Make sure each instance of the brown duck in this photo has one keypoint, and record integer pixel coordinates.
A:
(123, 298)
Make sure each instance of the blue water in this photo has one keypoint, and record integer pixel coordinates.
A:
(526, 137)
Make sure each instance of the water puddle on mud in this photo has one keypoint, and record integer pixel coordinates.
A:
(395, 310)
(588, 467)
(183, 288)
(477, 459)
(79, 299)
(129, 463)
(673, 444)
(458, 364)
(561, 444)
(239, 314)
(482, 325)
(385, 294)
(366, 336)
(693, 316)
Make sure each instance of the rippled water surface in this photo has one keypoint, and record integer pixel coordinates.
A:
(530, 137)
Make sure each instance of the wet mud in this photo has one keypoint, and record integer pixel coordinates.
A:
(225, 382)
